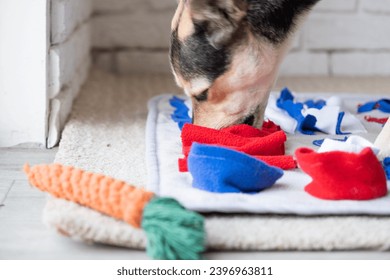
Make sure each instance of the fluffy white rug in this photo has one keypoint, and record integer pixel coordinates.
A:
(105, 134)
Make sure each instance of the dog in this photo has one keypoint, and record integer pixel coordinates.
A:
(225, 54)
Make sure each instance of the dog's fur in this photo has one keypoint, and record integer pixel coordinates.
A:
(226, 55)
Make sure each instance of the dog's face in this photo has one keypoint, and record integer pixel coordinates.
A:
(225, 68)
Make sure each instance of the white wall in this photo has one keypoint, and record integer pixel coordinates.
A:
(341, 37)
(44, 61)
(23, 71)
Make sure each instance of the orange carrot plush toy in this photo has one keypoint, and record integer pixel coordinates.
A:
(172, 231)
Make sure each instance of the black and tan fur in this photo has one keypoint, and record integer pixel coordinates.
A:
(226, 55)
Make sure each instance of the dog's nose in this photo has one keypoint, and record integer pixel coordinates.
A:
(249, 120)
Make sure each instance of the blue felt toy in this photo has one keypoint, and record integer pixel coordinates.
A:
(222, 170)
(382, 105)
(306, 125)
(180, 115)
(386, 166)
(338, 125)
(319, 142)
(319, 104)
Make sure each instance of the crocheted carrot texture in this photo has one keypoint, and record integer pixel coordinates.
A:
(102, 193)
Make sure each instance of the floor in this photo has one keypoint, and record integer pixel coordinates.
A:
(24, 236)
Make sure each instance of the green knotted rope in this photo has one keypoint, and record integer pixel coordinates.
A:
(173, 233)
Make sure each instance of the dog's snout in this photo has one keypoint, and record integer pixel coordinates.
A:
(249, 120)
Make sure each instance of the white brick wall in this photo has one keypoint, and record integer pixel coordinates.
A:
(66, 15)
(112, 6)
(69, 59)
(339, 37)
(305, 64)
(139, 30)
(347, 32)
(336, 6)
(361, 63)
(343, 38)
(376, 6)
(132, 35)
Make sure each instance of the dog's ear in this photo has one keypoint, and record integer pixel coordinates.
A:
(219, 18)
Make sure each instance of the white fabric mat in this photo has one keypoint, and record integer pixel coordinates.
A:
(287, 196)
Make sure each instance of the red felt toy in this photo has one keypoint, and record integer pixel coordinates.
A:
(376, 120)
(340, 175)
(266, 144)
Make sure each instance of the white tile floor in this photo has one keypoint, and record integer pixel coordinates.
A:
(24, 236)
